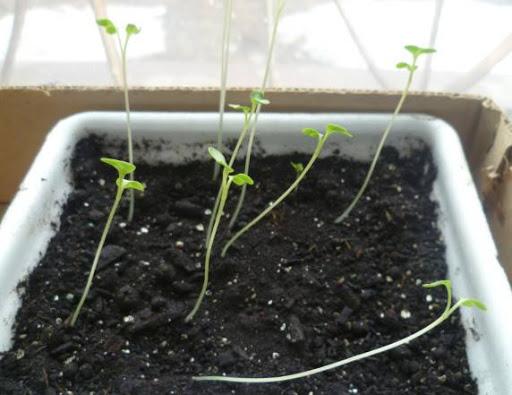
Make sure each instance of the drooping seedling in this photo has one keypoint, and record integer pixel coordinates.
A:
(448, 311)
(416, 52)
(320, 139)
(224, 57)
(130, 30)
(123, 169)
(227, 180)
(279, 9)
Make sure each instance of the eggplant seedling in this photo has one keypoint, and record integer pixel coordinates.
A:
(320, 138)
(130, 30)
(448, 311)
(239, 179)
(416, 52)
(277, 18)
(257, 99)
(123, 169)
(224, 57)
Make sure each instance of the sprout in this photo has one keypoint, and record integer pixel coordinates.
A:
(448, 311)
(130, 30)
(224, 56)
(258, 99)
(416, 52)
(298, 167)
(228, 179)
(320, 138)
(123, 169)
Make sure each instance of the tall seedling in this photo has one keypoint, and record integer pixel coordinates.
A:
(224, 60)
(123, 169)
(277, 18)
(416, 52)
(130, 30)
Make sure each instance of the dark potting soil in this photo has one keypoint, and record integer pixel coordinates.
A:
(294, 293)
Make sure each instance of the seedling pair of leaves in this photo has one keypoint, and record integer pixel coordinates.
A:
(123, 169)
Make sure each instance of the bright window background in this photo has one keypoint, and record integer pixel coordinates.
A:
(56, 42)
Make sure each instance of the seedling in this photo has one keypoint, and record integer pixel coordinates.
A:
(257, 98)
(277, 17)
(123, 169)
(224, 56)
(130, 30)
(416, 52)
(448, 311)
(320, 138)
(239, 179)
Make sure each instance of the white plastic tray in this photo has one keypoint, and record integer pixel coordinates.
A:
(471, 255)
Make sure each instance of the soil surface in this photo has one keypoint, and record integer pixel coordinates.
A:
(294, 293)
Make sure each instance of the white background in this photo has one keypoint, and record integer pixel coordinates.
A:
(56, 42)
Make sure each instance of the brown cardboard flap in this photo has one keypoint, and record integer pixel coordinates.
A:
(27, 114)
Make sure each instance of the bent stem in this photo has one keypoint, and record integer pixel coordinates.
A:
(416, 52)
(225, 184)
(321, 139)
(241, 197)
(224, 59)
(449, 310)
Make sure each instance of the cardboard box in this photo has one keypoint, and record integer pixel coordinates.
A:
(27, 114)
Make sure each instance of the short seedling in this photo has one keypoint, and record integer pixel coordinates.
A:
(448, 311)
(130, 30)
(320, 138)
(239, 179)
(416, 52)
(123, 169)
(224, 57)
(277, 18)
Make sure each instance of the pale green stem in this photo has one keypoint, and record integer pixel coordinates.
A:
(226, 32)
(273, 205)
(131, 207)
(448, 311)
(113, 210)
(224, 195)
(241, 197)
(234, 154)
(361, 191)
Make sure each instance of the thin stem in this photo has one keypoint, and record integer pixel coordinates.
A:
(241, 197)
(226, 32)
(361, 191)
(449, 310)
(106, 229)
(131, 208)
(273, 205)
(223, 197)
(234, 154)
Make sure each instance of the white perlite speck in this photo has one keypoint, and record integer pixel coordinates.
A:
(405, 314)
